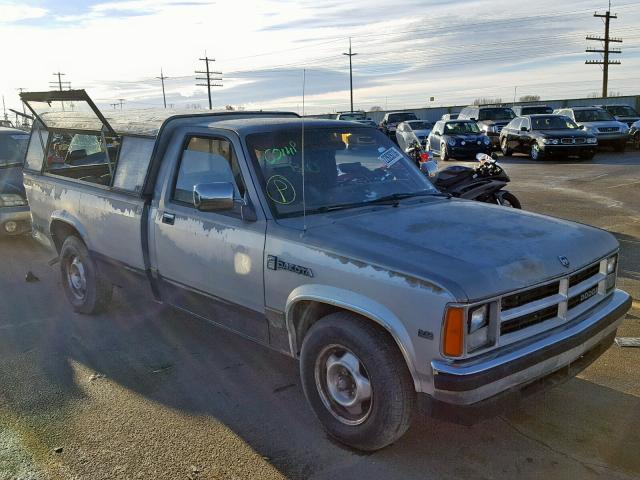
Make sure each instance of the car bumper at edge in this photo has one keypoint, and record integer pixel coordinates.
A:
(19, 215)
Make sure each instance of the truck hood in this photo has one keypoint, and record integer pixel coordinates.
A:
(472, 249)
(11, 180)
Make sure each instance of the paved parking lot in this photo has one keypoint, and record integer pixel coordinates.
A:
(146, 392)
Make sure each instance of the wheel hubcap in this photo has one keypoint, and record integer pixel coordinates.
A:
(343, 384)
(76, 277)
(534, 152)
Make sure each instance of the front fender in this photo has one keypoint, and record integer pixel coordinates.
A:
(359, 304)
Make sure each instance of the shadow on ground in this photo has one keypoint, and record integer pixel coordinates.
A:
(578, 430)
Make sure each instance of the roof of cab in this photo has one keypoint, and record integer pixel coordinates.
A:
(145, 122)
(260, 124)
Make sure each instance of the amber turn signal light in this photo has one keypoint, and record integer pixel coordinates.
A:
(454, 332)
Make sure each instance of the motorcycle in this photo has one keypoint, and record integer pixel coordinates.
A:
(484, 182)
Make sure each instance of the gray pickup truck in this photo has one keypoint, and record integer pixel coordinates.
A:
(322, 240)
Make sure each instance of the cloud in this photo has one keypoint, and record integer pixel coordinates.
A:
(14, 12)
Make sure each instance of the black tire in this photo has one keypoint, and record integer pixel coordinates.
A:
(511, 199)
(507, 152)
(620, 146)
(392, 400)
(444, 155)
(85, 288)
(535, 153)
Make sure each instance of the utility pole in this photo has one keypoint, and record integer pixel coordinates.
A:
(121, 101)
(114, 105)
(162, 79)
(59, 84)
(209, 79)
(350, 72)
(20, 89)
(606, 51)
(4, 109)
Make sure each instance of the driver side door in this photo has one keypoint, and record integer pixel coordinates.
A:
(211, 263)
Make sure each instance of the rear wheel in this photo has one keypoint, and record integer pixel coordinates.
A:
(87, 291)
(506, 151)
(535, 153)
(356, 381)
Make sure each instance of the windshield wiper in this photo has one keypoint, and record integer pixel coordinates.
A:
(395, 198)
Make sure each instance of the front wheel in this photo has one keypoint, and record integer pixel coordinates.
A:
(444, 155)
(536, 153)
(356, 381)
(508, 199)
(506, 151)
(87, 291)
(620, 146)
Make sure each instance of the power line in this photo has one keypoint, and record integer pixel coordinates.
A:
(606, 51)
(60, 84)
(209, 79)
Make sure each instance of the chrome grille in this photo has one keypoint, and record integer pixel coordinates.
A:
(568, 141)
(554, 302)
(608, 129)
(580, 140)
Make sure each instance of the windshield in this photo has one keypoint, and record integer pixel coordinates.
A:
(351, 116)
(622, 111)
(496, 114)
(13, 148)
(420, 125)
(536, 110)
(344, 167)
(460, 128)
(595, 115)
(552, 122)
(401, 117)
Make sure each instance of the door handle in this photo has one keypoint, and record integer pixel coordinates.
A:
(168, 218)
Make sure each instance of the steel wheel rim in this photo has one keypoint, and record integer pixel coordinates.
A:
(504, 145)
(76, 277)
(534, 152)
(344, 385)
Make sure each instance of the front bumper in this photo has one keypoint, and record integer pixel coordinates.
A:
(566, 150)
(615, 138)
(478, 379)
(19, 215)
(469, 150)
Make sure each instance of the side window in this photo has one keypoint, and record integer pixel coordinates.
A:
(82, 156)
(37, 144)
(207, 160)
(133, 162)
(525, 123)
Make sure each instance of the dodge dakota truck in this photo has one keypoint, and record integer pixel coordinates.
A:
(322, 240)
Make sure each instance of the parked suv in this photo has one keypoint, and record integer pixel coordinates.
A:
(521, 110)
(622, 113)
(392, 119)
(490, 119)
(601, 123)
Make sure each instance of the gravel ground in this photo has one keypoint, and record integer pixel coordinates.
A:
(147, 392)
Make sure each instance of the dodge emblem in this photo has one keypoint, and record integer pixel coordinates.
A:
(564, 261)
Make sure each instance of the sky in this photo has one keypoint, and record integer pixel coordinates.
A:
(408, 51)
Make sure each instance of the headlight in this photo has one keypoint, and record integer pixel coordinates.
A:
(486, 140)
(452, 141)
(550, 141)
(466, 330)
(624, 129)
(12, 200)
(592, 140)
(611, 265)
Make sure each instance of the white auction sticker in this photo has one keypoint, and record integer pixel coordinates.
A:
(390, 156)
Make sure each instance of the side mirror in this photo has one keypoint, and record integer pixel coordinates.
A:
(524, 129)
(581, 127)
(212, 197)
(473, 119)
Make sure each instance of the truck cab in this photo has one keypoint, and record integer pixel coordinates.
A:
(316, 238)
